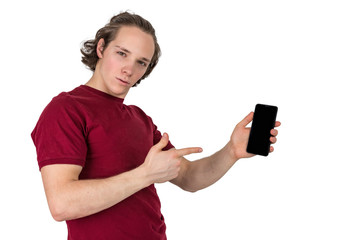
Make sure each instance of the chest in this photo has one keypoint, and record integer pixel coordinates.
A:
(117, 141)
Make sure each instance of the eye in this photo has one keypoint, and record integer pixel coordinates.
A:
(142, 63)
(121, 53)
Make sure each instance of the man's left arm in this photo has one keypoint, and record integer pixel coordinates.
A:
(199, 174)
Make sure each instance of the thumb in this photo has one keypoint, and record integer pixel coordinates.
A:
(247, 119)
(163, 142)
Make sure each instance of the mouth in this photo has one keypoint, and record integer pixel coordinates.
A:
(123, 81)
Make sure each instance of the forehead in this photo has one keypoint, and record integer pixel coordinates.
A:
(135, 40)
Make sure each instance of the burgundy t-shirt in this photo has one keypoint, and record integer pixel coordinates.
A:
(97, 131)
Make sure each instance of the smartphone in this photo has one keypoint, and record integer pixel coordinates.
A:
(263, 121)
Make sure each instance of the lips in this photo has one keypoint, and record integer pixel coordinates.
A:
(123, 81)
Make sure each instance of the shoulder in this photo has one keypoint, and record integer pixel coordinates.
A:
(62, 100)
(140, 114)
(61, 114)
(138, 111)
(71, 100)
(62, 107)
(67, 99)
(63, 103)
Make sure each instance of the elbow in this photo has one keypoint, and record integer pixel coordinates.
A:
(58, 218)
(57, 215)
(58, 211)
(189, 189)
(192, 190)
(188, 186)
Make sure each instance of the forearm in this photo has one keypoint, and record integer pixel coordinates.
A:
(80, 198)
(71, 198)
(206, 171)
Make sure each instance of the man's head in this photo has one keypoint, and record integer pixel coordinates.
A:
(109, 32)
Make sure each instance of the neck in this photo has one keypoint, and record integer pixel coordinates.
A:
(97, 82)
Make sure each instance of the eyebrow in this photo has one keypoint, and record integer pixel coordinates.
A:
(127, 51)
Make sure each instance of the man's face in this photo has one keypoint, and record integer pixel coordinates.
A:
(124, 61)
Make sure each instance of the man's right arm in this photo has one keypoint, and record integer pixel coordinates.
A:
(71, 198)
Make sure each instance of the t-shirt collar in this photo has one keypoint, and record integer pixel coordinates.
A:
(102, 94)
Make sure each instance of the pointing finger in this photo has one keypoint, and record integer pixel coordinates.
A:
(187, 151)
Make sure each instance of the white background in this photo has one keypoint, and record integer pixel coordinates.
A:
(219, 59)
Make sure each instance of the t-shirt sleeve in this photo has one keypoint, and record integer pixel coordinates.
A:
(59, 135)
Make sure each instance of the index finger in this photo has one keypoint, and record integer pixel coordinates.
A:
(187, 151)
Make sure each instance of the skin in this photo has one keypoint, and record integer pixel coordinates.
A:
(120, 66)
(123, 62)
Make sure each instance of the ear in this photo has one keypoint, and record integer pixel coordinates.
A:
(100, 48)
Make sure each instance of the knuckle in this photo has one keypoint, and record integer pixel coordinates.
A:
(154, 148)
(173, 154)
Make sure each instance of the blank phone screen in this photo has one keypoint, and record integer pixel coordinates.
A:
(263, 121)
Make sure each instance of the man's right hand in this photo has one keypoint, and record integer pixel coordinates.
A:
(162, 166)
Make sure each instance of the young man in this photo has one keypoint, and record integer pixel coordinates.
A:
(99, 158)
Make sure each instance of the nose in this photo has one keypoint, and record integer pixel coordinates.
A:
(128, 68)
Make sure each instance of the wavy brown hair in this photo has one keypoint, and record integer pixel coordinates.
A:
(108, 33)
